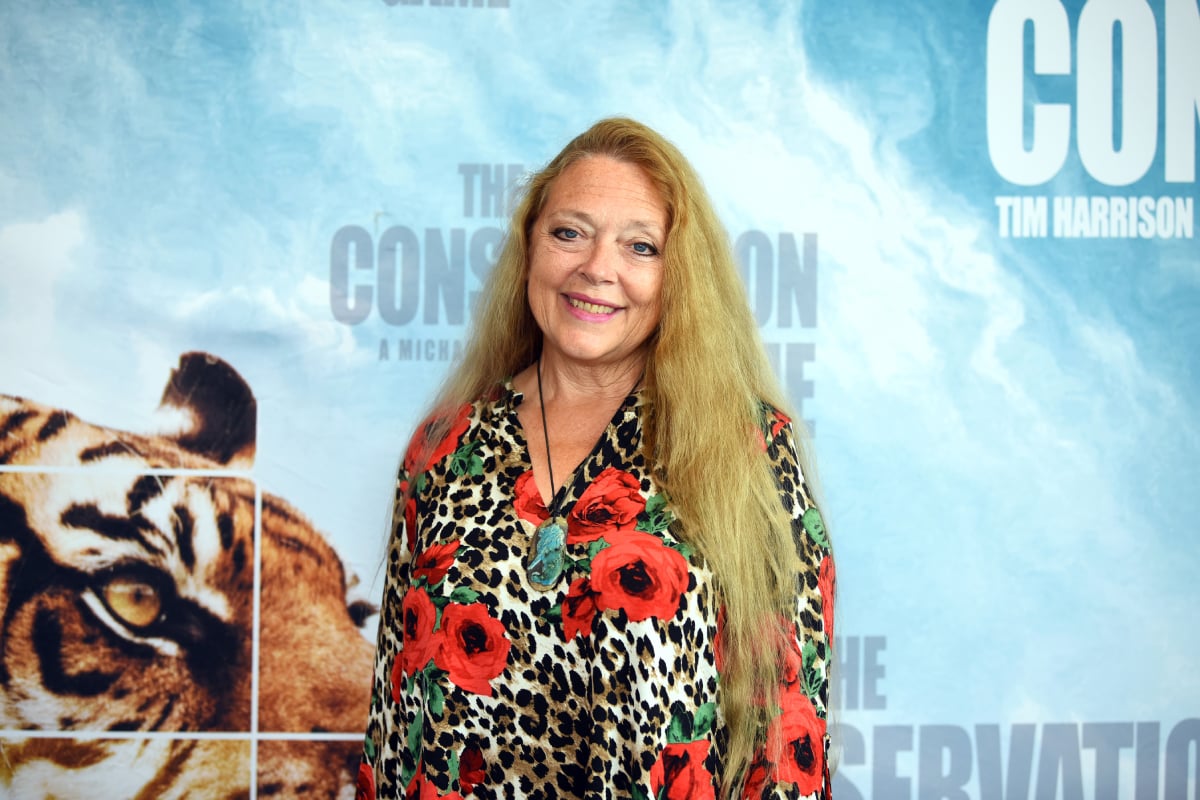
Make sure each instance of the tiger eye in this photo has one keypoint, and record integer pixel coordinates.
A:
(136, 602)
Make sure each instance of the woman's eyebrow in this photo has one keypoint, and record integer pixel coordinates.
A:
(583, 216)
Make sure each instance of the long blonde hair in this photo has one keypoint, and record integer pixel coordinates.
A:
(705, 379)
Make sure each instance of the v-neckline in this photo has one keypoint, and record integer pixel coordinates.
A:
(565, 491)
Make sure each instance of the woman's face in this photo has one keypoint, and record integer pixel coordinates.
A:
(595, 264)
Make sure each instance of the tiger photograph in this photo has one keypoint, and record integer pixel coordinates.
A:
(169, 629)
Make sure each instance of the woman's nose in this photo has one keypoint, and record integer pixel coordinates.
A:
(599, 266)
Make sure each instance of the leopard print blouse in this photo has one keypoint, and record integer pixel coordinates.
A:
(605, 685)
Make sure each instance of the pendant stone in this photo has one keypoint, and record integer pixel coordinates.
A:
(548, 554)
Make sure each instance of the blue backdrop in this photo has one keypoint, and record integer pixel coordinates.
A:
(968, 230)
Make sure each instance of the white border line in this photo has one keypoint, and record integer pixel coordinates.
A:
(254, 641)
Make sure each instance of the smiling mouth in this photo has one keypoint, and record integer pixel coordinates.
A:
(591, 308)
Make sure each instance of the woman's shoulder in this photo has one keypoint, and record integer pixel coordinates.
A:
(776, 430)
(785, 443)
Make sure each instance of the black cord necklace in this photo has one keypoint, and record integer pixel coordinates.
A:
(547, 556)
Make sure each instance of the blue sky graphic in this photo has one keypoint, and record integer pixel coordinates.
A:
(1007, 428)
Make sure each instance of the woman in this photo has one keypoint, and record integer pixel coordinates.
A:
(608, 577)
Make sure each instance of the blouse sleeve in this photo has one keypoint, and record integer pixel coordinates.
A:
(384, 747)
(799, 733)
(379, 772)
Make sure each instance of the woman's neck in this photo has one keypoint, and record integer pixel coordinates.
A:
(564, 384)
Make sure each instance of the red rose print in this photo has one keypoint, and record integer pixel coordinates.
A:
(680, 770)
(799, 736)
(420, 639)
(474, 647)
(364, 788)
(756, 780)
(398, 678)
(470, 770)
(641, 575)
(432, 563)
(793, 662)
(410, 516)
(827, 583)
(612, 503)
(416, 786)
(413, 454)
(528, 503)
(788, 654)
(578, 609)
(421, 788)
(778, 421)
(448, 444)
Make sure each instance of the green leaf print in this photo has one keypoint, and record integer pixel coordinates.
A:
(810, 679)
(811, 684)
(369, 747)
(657, 517)
(465, 461)
(808, 654)
(436, 699)
(464, 596)
(453, 766)
(814, 526)
(636, 793)
(414, 735)
(683, 548)
(439, 603)
(584, 564)
(680, 729)
(706, 715)
(431, 674)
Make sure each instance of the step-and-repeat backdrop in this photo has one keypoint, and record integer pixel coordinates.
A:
(239, 247)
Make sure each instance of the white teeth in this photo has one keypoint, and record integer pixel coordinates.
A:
(591, 308)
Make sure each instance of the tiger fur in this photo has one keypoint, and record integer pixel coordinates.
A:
(127, 606)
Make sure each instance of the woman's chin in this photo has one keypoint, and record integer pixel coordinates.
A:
(592, 355)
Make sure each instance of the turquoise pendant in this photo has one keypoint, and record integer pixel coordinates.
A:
(548, 554)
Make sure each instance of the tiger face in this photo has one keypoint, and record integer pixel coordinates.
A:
(128, 567)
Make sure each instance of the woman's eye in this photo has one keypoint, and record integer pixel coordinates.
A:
(566, 234)
(136, 602)
(645, 249)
